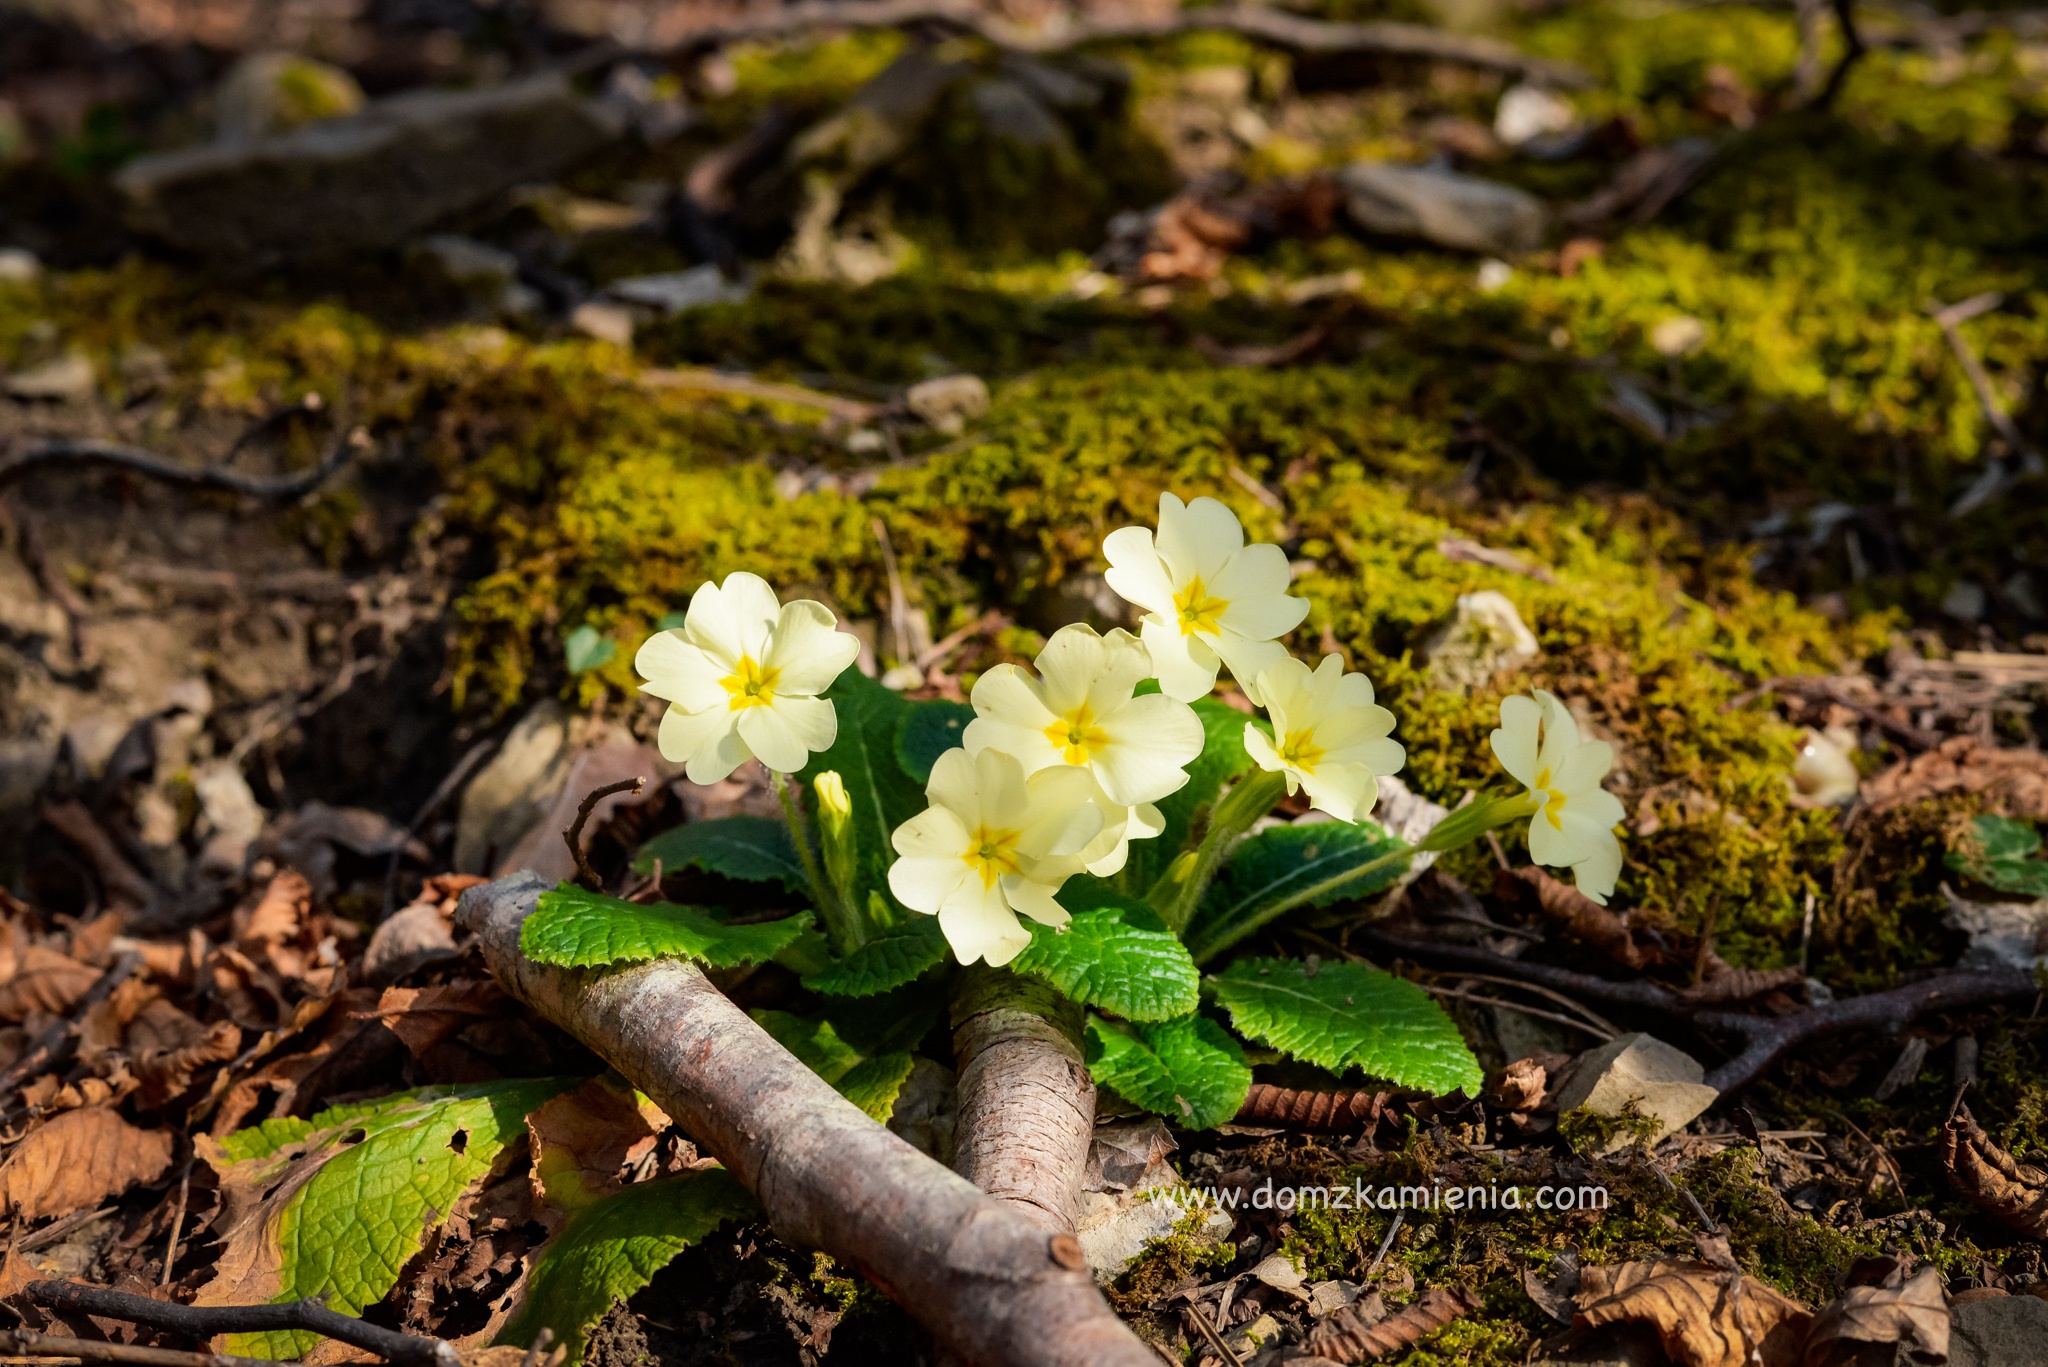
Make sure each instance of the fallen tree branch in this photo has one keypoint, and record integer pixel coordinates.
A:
(991, 1285)
(1764, 1038)
(1291, 32)
(204, 1321)
(29, 1343)
(1027, 1102)
(135, 460)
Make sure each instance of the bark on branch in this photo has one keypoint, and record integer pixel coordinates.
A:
(1764, 1038)
(1027, 1103)
(1292, 32)
(204, 1321)
(990, 1285)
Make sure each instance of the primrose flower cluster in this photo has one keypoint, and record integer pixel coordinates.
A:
(1063, 765)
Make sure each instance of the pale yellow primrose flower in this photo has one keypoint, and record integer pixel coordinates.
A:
(1082, 714)
(742, 677)
(993, 843)
(1328, 736)
(1538, 743)
(1209, 599)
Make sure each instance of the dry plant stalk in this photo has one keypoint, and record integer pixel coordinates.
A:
(1266, 1104)
(990, 1284)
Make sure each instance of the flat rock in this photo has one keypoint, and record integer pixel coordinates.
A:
(1664, 1084)
(1442, 207)
(368, 181)
(672, 292)
(2004, 1331)
(67, 379)
(1485, 637)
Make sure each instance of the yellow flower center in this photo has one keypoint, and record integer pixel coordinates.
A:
(1076, 736)
(1549, 802)
(749, 684)
(1196, 610)
(1300, 751)
(991, 854)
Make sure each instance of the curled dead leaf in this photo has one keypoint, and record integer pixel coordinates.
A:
(1577, 914)
(269, 931)
(1520, 1085)
(1704, 1315)
(2013, 1193)
(1890, 1309)
(2015, 781)
(166, 1048)
(43, 980)
(79, 1159)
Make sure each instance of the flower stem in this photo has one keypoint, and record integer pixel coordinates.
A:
(1209, 948)
(1179, 890)
(843, 926)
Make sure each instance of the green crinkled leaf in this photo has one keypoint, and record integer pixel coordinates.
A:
(576, 928)
(1999, 853)
(928, 730)
(1347, 1015)
(898, 955)
(754, 848)
(348, 1230)
(1189, 1069)
(613, 1248)
(1115, 954)
(1222, 759)
(869, 1083)
(1272, 872)
(864, 755)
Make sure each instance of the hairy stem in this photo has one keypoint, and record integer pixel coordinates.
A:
(1027, 1103)
(1179, 890)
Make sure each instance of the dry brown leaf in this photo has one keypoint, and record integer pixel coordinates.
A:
(1693, 1307)
(44, 980)
(79, 1159)
(104, 1027)
(1520, 1085)
(166, 1047)
(582, 1139)
(2011, 1192)
(2014, 781)
(1894, 1309)
(411, 938)
(432, 1021)
(1347, 1336)
(1577, 914)
(270, 930)
(353, 1048)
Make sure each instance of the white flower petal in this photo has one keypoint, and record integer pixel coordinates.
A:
(956, 785)
(980, 925)
(1598, 872)
(1248, 660)
(706, 743)
(1345, 791)
(1260, 747)
(679, 672)
(1034, 900)
(934, 833)
(1136, 572)
(1151, 741)
(1560, 729)
(1197, 538)
(733, 620)
(1552, 844)
(813, 721)
(772, 739)
(1070, 663)
(1259, 571)
(1146, 822)
(807, 651)
(1514, 743)
(1005, 798)
(1061, 812)
(1581, 769)
(1185, 666)
(925, 884)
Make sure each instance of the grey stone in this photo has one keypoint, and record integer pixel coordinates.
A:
(1011, 112)
(368, 181)
(1664, 1085)
(1442, 207)
(19, 266)
(674, 292)
(2004, 1331)
(67, 379)
(274, 92)
(2003, 935)
(950, 402)
(1485, 637)
(607, 322)
(466, 263)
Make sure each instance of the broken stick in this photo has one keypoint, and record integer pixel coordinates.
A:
(990, 1285)
(204, 1321)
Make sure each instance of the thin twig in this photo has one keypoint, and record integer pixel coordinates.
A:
(899, 605)
(574, 835)
(57, 1229)
(135, 460)
(1556, 1017)
(401, 1350)
(1386, 1243)
(177, 1223)
(992, 620)
(1201, 1322)
(1950, 318)
(48, 1349)
(1852, 51)
(1591, 1016)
